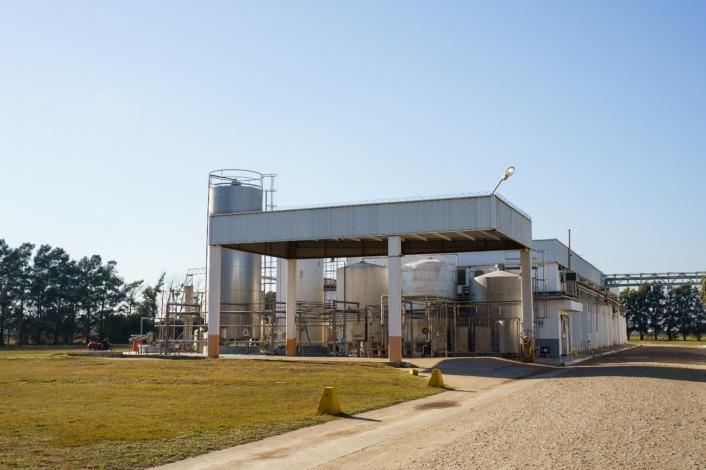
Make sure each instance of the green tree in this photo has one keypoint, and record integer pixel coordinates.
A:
(270, 299)
(71, 276)
(109, 294)
(22, 268)
(46, 297)
(636, 313)
(131, 293)
(58, 292)
(120, 325)
(626, 301)
(671, 318)
(89, 284)
(149, 306)
(699, 329)
(689, 306)
(6, 298)
(38, 299)
(655, 303)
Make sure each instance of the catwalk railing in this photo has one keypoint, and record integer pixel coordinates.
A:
(668, 279)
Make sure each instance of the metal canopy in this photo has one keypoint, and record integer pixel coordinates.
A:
(444, 225)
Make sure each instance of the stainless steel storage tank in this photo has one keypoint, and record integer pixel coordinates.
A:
(364, 283)
(236, 191)
(310, 280)
(477, 292)
(504, 301)
(429, 278)
(310, 290)
(501, 286)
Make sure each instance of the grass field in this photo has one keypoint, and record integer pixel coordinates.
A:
(662, 340)
(64, 412)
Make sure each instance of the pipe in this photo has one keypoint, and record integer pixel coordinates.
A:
(382, 310)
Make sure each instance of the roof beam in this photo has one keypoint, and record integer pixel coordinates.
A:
(465, 235)
(490, 235)
(443, 237)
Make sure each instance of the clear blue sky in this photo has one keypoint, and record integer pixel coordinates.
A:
(112, 114)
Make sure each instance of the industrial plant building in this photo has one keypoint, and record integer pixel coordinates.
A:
(448, 276)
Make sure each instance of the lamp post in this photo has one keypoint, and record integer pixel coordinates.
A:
(508, 173)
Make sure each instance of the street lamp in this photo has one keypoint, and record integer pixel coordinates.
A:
(508, 173)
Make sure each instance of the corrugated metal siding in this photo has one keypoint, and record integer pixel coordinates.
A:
(558, 252)
(482, 258)
(512, 223)
(448, 215)
(555, 252)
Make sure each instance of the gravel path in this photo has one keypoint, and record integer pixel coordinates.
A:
(642, 408)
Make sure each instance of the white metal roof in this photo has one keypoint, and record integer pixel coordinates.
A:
(444, 225)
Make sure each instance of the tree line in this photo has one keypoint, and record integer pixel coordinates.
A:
(652, 310)
(46, 297)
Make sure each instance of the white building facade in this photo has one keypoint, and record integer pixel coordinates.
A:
(574, 313)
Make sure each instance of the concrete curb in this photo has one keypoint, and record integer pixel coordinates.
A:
(601, 354)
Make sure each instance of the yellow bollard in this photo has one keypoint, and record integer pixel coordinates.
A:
(435, 380)
(329, 403)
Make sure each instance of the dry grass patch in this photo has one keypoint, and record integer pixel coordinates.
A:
(79, 412)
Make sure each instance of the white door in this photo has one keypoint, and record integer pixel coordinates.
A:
(564, 335)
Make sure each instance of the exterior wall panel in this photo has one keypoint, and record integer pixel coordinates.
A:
(511, 222)
(557, 251)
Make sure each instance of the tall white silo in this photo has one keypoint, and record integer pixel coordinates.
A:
(230, 192)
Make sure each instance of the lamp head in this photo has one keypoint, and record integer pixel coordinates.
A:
(508, 172)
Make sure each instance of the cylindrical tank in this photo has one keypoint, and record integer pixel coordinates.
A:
(504, 300)
(236, 191)
(429, 277)
(310, 290)
(364, 283)
(501, 286)
(310, 280)
(508, 336)
(477, 292)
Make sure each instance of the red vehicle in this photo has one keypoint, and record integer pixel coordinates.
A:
(102, 346)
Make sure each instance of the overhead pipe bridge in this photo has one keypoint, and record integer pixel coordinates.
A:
(642, 279)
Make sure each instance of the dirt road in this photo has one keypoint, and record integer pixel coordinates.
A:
(642, 408)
